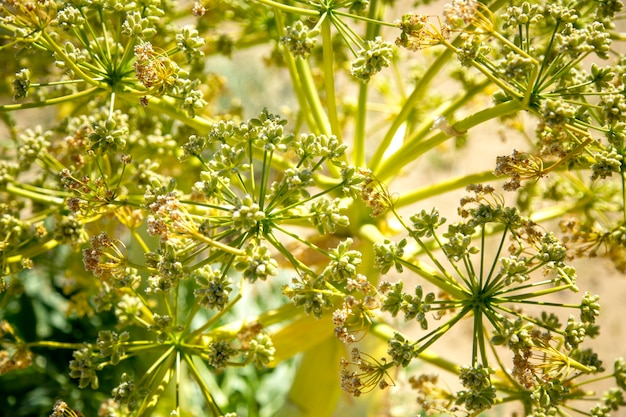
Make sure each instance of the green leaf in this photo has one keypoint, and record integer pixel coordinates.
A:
(299, 336)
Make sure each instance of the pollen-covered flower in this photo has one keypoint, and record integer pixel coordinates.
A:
(156, 71)
(518, 166)
(362, 373)
(418, 32)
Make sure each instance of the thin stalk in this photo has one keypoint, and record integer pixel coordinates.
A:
(286, 312)
(177, 382)
(50, 344)
(430, 276)
(206, 393)
(218, 245)
(495, 259)
(50, 101)
(434, 335)
(520, 298)
(301, 11)
(386, 333)
(60, 53)
(161, 378)
(217, 316)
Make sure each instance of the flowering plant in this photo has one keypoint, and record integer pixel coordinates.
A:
(167, 251)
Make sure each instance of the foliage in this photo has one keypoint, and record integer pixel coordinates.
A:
(164, 253)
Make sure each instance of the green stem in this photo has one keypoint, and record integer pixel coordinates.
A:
(291, 9)
(286, 312)
(217, 316)
(443, 187)
(410, 151)
(60, 54)
(206, 393)
(304, 74)
(535, 294)
(50, 344)
(218, 245)
(50, 101)
(361, 114)
(431, 276)
(386, 333)
(161, 105)
(434, 335)
(375, 22)
(40, 197)
(329, 77)
(32, 251)
(359, 129)
(298, 88)
(409, 105)
(158, 381)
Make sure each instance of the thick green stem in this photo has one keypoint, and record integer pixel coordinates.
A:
(298, 88)
(410, 151)
(409, 105)
(329, 78)
(206, 393)
(315, 104)
(32, 251)
(443, 187)
(32, 195)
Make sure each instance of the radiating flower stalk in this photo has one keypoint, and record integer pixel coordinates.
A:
(156, 215)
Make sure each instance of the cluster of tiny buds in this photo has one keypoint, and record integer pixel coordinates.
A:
(198, 9)
(461, 12)
(165, 207)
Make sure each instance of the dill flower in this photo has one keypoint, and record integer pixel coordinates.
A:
(362, 373)
(418, 32)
